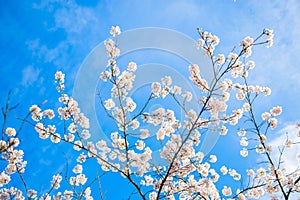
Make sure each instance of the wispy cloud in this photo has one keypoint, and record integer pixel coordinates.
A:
(46, 54)
(291, 156)
(30, 75)
(79, 28)
(75, 19)
(279, 62)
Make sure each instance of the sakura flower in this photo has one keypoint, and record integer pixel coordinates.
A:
(250, 64)
(10, 132)
(81, 158)
(77, 145)
(288, 143)
(4, 179)
(85, 134)
(140, 145)
(221, 59)
(243, 141)
(224, 170)
(261, 172)
(60, 77)
(167, 80)
(176, 90)
(144, 133)
(226, 191)
(55, 138)
(135, 124)
(187, 96)
(132, 66)
(68, 194)
(266, 116)
(77, 169)
(115, 30)
(240, 95)
(49, 113)
(156, 88)
(111, 48)
(130, 104)
(109, 104)
(232, 56)
(273, 123)
(56, 179)
(32, 194)
(250, 172)
(246, 107)
(35, 112)
(270, 36)
(213, 158)
(13, 142)
(276, 110)
(224, 130)
(70, 137)
(267, 91)
(244, 152)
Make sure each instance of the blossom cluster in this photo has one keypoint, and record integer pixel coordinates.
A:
(12, 155)
(183, 170)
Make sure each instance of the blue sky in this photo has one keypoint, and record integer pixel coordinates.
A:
(39, 37)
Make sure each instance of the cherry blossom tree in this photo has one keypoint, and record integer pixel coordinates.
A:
(185, 172)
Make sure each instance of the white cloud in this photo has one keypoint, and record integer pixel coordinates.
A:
(30, 75)
(81, 24)
(291, 155)
(81, 27)
(279, 62)
(75, 19)
(56, 55)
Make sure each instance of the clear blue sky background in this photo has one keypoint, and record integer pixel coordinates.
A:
(39, 37)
